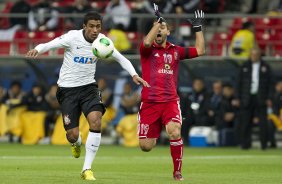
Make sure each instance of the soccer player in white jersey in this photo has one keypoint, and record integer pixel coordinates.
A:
(78, 91)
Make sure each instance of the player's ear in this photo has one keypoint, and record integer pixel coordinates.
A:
(168, 32)
(84, 26)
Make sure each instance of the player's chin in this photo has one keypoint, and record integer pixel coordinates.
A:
(159, 41)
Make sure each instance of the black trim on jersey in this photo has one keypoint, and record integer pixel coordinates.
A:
(186, 52)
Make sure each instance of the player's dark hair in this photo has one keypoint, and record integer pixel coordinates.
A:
(92, 15)
(247, 25)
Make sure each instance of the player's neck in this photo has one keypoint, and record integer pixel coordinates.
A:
(83, 32)
(162, 44)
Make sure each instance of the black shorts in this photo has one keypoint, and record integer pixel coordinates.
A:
(75, 100)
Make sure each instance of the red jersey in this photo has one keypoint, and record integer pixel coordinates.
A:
(160, 69)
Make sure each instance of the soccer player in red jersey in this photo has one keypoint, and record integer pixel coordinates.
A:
(160, 103)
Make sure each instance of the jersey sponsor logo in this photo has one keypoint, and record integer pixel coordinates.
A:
(167, 66)
(157, 55)
(165, 71)
(84, 60)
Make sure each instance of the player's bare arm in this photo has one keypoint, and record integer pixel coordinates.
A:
(149, 39)
(197, 23)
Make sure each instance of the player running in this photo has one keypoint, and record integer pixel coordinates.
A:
(78, 91)
(160, 103)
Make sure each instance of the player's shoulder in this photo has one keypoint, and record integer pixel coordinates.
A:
(74, 33)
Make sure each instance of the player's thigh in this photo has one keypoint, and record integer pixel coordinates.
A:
(70, 107)
(149, 118)
(91, 104)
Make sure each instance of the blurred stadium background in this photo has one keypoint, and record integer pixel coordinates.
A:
(28, 125)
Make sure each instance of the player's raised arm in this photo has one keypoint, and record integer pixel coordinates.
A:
(154, 30)
(126, 64)
(197, 23)
(59, 42)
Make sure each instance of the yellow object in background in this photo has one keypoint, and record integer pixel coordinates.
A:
(127, 128)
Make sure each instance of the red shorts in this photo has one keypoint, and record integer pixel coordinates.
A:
(153, 116)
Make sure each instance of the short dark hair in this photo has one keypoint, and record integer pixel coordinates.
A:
(247, 25)
(92, 15)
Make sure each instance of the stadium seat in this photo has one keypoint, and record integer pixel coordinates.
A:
(277, 49)
(4, 21)
(238, 21)
(265, 22)
(5, 48)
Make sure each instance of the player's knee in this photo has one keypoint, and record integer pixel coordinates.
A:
(174, 134)
(145, 148)
(72, 135)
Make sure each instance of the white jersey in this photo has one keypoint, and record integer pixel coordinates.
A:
(79, 65)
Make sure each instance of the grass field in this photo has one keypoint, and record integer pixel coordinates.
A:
(119, 165)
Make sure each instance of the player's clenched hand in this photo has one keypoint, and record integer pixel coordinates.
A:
(138, 80)
(198, 20)
(33, 53)
(160, 19)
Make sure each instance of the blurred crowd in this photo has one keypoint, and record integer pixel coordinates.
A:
(125, 30)
(234, 110)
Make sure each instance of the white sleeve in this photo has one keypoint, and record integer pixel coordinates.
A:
(62, 41)
(125, 63)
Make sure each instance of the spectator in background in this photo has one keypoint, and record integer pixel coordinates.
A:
(196, 107)
(183, 6)
(107, 98)
(137, 24)
(14, 96)
(129, 104)
(43, 17)
(215, 100)
(2, 94)
(117, 12)
(20, 6)
(35, 100)
(255, 6)
(243, 41)
(106, 92)
(225, 121)
(12, 99)
(254, 94)
(79, 7)
(119, 38)
(275, 116)
(130, 100)
(53, 112)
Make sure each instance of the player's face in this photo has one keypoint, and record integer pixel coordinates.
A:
(162, 34)
(92, 29)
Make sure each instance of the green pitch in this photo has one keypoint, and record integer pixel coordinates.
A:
(118, 165)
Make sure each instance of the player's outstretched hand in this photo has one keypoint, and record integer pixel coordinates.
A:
(32, 53)
(138, 80)
(198, 20)
(160, 19)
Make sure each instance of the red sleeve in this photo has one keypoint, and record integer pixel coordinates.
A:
(187, 52)
(145, 51)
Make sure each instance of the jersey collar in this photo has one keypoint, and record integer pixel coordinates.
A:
(167, 45)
